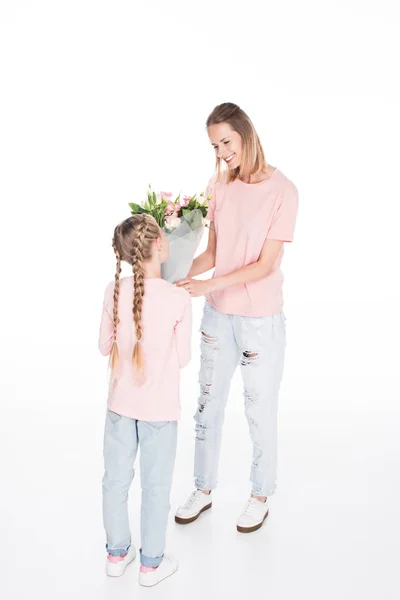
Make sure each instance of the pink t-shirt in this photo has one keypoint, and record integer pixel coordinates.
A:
(167, 329)
(244, 216)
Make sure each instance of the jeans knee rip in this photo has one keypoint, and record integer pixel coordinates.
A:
(209, 346)
(251, 396)
(252, 422)
(249, 358)
(200, 432)
(205, 390)
(208, 339)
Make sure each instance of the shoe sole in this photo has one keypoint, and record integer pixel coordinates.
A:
(254, 528)
(182, 521)
(161, 580)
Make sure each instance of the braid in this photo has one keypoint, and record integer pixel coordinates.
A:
(116, 295)
(138, 274)
(133, 242)
(114, 356)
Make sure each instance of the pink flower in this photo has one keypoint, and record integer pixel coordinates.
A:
(186, 200)
(170, 208)
(172, 222)
(166, 196)
(177, 206)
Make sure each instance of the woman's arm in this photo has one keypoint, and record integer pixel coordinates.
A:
(205, 261)
(261, 268)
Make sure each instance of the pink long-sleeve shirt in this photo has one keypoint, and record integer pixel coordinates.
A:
(166, 327)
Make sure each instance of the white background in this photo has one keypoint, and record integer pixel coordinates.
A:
(99, 99)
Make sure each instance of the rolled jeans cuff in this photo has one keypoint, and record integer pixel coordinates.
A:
(150, 562)
(118, 551)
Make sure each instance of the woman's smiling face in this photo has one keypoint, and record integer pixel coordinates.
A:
(227, 144)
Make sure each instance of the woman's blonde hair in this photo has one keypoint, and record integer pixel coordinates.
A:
(253, 159)
(133, 243)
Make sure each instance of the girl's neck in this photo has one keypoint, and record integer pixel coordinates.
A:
(152, 270)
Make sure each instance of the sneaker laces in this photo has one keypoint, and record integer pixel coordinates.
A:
(193, 498)
(248, 510)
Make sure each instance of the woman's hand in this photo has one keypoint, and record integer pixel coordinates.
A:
(261, 268)
(195, 287)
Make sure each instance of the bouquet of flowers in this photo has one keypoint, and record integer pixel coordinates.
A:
(183, 222)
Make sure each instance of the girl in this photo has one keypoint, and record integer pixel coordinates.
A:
(146, 330)
(252, 213)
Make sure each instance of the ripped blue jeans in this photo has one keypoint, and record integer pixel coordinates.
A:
(258, 345)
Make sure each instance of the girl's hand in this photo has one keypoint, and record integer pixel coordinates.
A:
(195, 287)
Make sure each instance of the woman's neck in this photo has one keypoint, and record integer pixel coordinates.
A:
(260, 176)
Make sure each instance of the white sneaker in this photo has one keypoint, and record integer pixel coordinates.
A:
(116, 569)
(253, 516)
(197, 503)
(168, 567)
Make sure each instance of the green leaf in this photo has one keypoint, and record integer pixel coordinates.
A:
(135, 208)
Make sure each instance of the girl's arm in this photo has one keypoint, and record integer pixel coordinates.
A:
(106, 335)
(183, 335)
(257, 270)
(205, 261)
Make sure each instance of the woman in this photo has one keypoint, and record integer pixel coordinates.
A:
(252, 213)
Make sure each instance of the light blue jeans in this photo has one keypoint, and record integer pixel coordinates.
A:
(258, 345)
(157, 441)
